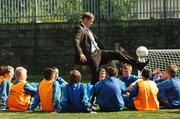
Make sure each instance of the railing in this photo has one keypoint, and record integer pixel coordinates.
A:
(27, 11)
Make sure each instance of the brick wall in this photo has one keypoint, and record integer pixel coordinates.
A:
(36, 46)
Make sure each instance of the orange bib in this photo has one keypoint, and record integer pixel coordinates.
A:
(18, 100)
(147, 96)
(45, 95)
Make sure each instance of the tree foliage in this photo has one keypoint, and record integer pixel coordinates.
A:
(64, 10)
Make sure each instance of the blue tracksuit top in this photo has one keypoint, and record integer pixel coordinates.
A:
(4, 92)
(75, 98)
(34, 85)
(61, 81)
(128, 80)
(170, 90)
(109, 96)
(89, 90)
(156, 79)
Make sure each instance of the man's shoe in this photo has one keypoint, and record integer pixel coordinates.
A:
(141, 65)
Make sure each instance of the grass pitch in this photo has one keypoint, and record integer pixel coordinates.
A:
(161, 114)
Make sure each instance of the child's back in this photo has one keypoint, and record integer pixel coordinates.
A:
(74, 95)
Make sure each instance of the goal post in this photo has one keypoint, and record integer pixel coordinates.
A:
(161, 58)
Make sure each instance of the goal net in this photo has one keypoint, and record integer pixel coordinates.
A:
(162, 58)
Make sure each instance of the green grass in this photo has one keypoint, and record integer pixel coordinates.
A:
(161, 114)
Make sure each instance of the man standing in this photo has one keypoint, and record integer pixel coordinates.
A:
(90, 51)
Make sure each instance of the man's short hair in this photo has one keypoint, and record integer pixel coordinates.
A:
(74, 77)
(87, 15)
(146, 73)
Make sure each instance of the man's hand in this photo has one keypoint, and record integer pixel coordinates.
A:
(83, 58)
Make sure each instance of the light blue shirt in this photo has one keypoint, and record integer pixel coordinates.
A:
(94, 45)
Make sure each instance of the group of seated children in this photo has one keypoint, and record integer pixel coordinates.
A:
(110, 93)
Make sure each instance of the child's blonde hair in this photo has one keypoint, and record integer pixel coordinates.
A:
(74, 77)
(172, 70)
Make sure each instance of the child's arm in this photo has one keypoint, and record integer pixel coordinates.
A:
(36, 101)
(89, 90)
(61, 81)
(28, 88)
(56, 95)
(86, 101)
(5, 87)
(131, 86)
(97, 86)
(64, 99)
(134, 91)
(123, 86)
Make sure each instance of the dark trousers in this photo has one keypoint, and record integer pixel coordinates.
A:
(102, 56)
(166, 104)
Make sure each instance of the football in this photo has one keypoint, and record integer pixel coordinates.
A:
(142, 51)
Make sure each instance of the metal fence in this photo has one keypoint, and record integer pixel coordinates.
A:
(27, 11)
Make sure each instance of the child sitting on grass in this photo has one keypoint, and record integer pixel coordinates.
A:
(74, 95)
(20, 92)
(8, 73)
(49, 92)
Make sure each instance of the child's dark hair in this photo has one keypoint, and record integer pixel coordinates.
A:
(146, 73)
(2, 70)
(111, 71)
(48, 72)
(102, 69)
(8, 69)
(74, 77)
